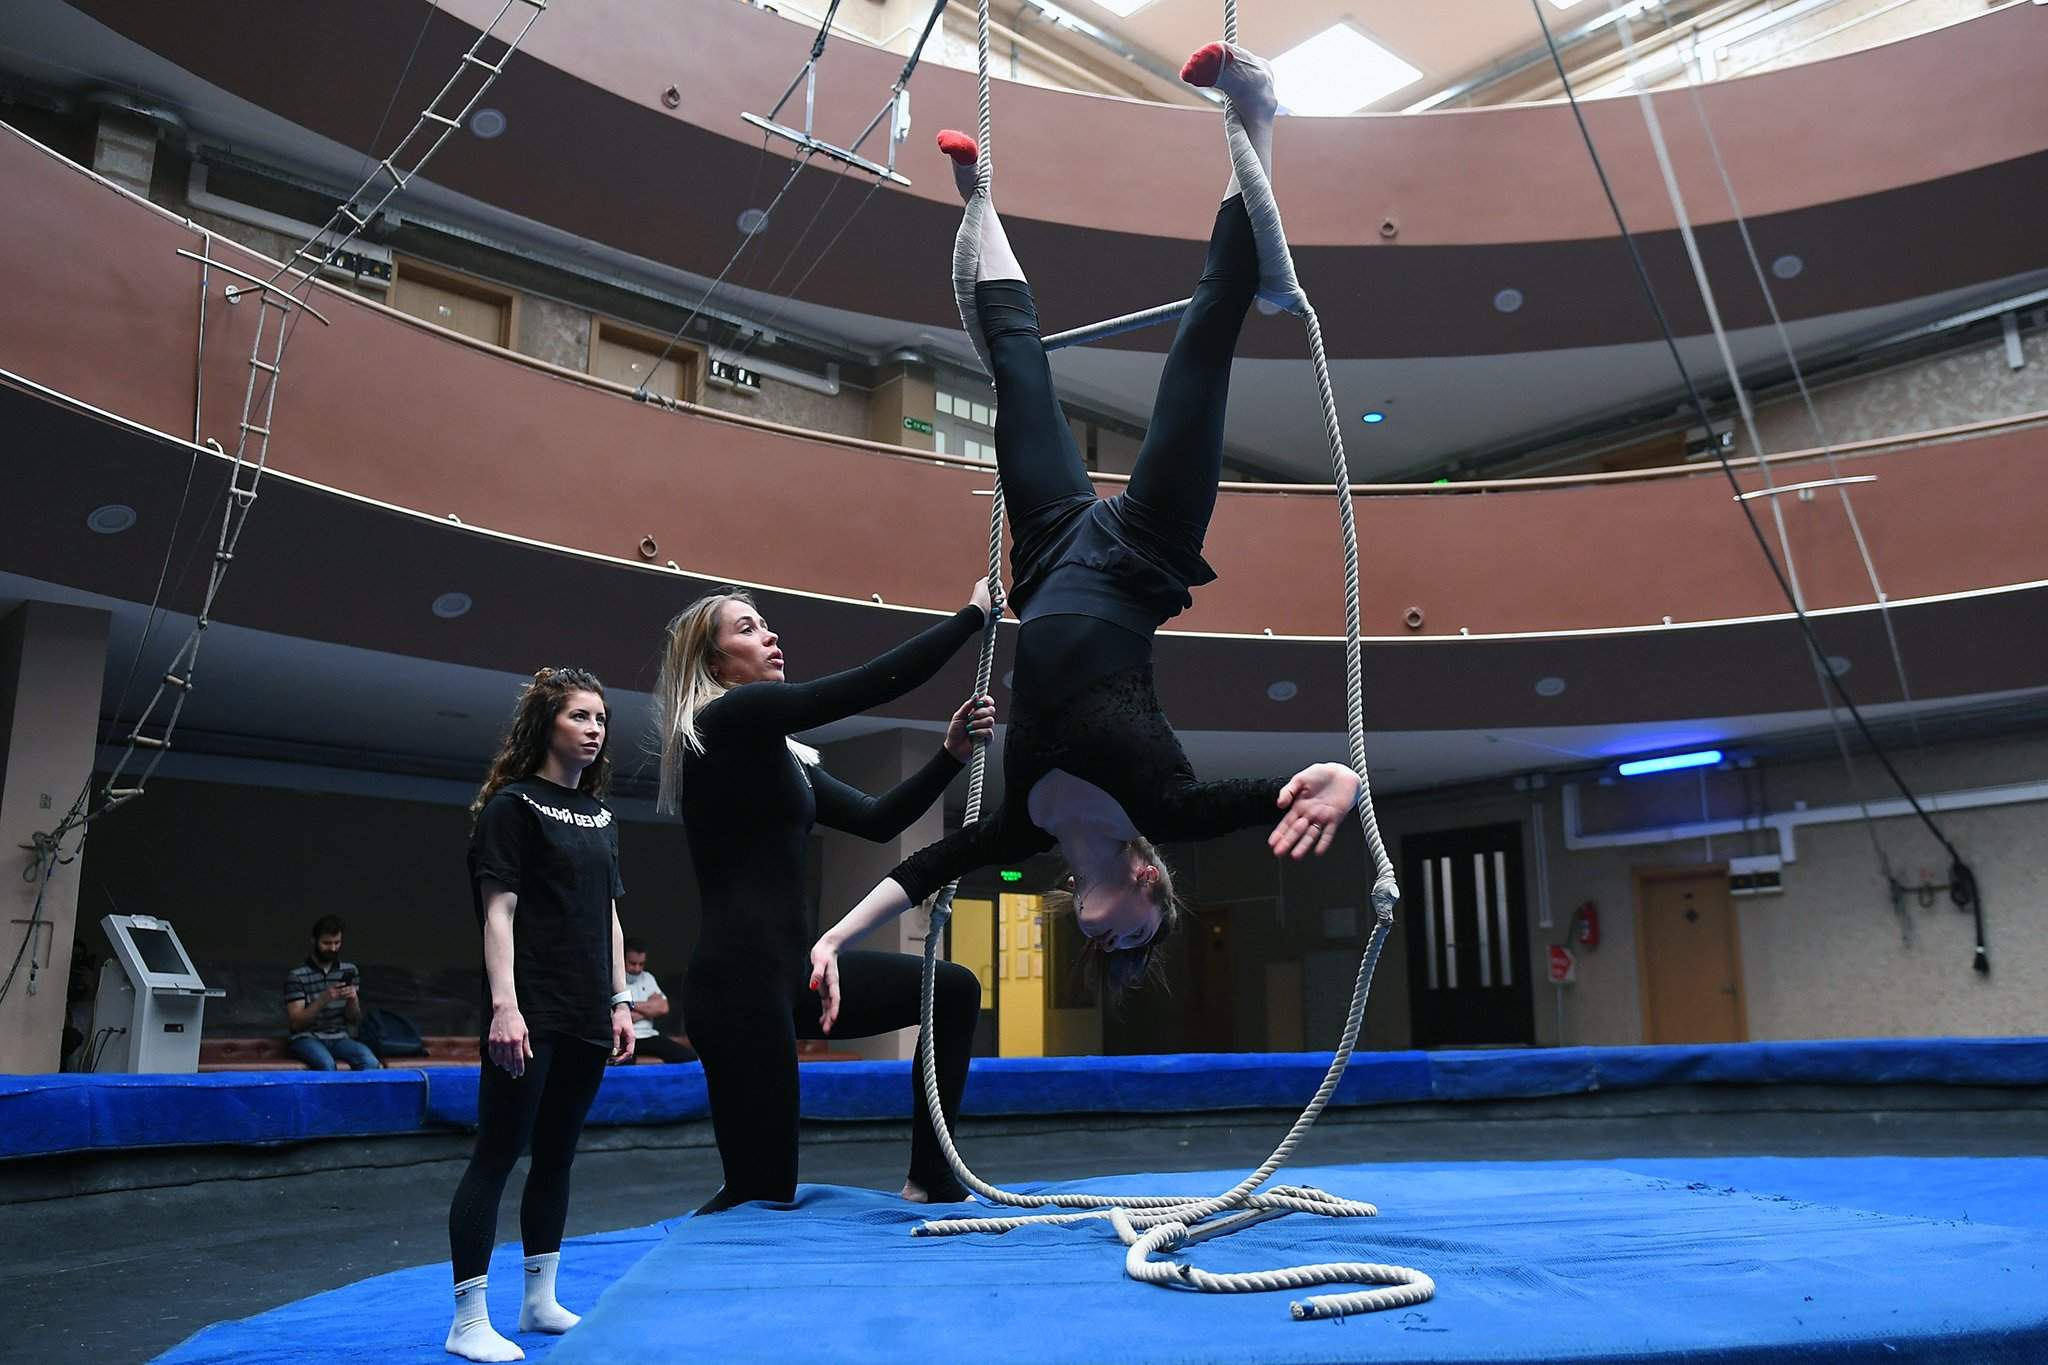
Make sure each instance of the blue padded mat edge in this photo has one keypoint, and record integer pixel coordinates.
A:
(40, 1115)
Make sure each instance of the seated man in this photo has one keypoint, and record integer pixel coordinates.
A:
(322, 997)
(649, 1004)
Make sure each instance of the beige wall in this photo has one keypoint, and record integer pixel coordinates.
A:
(902, 393)
(841, 414)
(1972, 385)
(52, 659)
(1848, 26)
(1826, 959)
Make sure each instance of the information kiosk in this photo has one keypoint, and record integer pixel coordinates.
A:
(151, 1001)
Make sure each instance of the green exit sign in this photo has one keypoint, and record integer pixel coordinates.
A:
(918, 425)
(1010, 874)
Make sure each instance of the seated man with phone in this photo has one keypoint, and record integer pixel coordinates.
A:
(322, 998)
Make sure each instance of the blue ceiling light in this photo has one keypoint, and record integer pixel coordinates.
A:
(1698, 758)
(1374, 418)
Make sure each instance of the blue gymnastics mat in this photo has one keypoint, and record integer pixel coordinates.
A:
(1726, 1259)
(44, 1115)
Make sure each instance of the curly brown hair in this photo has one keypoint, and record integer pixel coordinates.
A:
(525, 746)
(1124, 970)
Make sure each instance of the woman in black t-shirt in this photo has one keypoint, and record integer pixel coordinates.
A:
(544, 878)
(749, 796)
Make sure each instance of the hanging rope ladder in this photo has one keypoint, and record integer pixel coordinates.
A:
(1154, 1224)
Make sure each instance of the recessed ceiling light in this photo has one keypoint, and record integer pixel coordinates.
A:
(1549, 687)
(1282, 690)
(450, 605)
(1373, 418)
(1838, 665)
(1123, 9)
(487, 123)
(753, 220)
(1337, 71)
(1787, 266)
(112, 519)
(1564, 4)
(1508, 300)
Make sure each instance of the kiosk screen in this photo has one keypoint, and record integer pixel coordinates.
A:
(159, 951)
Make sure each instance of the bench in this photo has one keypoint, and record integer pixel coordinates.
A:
(273, 1054)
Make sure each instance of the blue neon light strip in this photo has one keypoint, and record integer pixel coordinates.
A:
(1699, 758)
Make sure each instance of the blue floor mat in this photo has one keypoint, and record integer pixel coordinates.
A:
(1740, 1258)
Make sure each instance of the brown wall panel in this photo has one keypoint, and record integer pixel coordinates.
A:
(381, 407)
(1896, 171)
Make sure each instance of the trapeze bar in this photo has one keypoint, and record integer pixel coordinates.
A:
(258, 281)
(811, 144)
(1802, 487)
(1130, 322)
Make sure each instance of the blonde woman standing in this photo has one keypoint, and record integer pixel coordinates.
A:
(749, 796)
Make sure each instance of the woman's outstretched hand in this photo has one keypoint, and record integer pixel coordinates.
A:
(1316, 801)
(980, 598)
(972, 724)
(825, 981)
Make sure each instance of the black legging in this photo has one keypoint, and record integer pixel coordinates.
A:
(1181, 459)
(544, 1107)
(744, 1025)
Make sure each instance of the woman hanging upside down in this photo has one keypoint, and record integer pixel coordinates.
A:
(1090, 762)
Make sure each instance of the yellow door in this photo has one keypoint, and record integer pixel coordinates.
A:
(1020, 965)
(974, 944)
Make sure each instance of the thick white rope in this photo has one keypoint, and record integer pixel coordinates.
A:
(1151, 1224)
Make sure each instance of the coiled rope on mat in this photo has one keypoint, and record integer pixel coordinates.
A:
(1149, 1225)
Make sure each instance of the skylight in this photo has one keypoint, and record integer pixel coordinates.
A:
(1337, 71)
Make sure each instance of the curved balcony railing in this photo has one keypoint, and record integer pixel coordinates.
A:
(388, 408)
(1896, 173)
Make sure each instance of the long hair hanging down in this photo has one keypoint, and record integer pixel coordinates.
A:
(1123, 970)
(686, 685)
(525, 746)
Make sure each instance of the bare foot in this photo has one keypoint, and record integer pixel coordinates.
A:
(964, 152)
(953, 1193)
(1241, 74)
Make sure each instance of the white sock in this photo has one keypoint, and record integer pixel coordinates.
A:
(538, 1311)
(472, 1337)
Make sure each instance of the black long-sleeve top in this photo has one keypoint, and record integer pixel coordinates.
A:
(748, 804)
(1110, 731)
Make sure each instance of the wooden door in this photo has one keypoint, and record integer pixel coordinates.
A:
(633, 358)
(1690, 956)
(470, 307)
(1283, 1007)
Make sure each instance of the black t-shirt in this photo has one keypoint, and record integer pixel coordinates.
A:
(558, 851)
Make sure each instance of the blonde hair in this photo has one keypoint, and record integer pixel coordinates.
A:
(1126, 969)
(686, 685)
